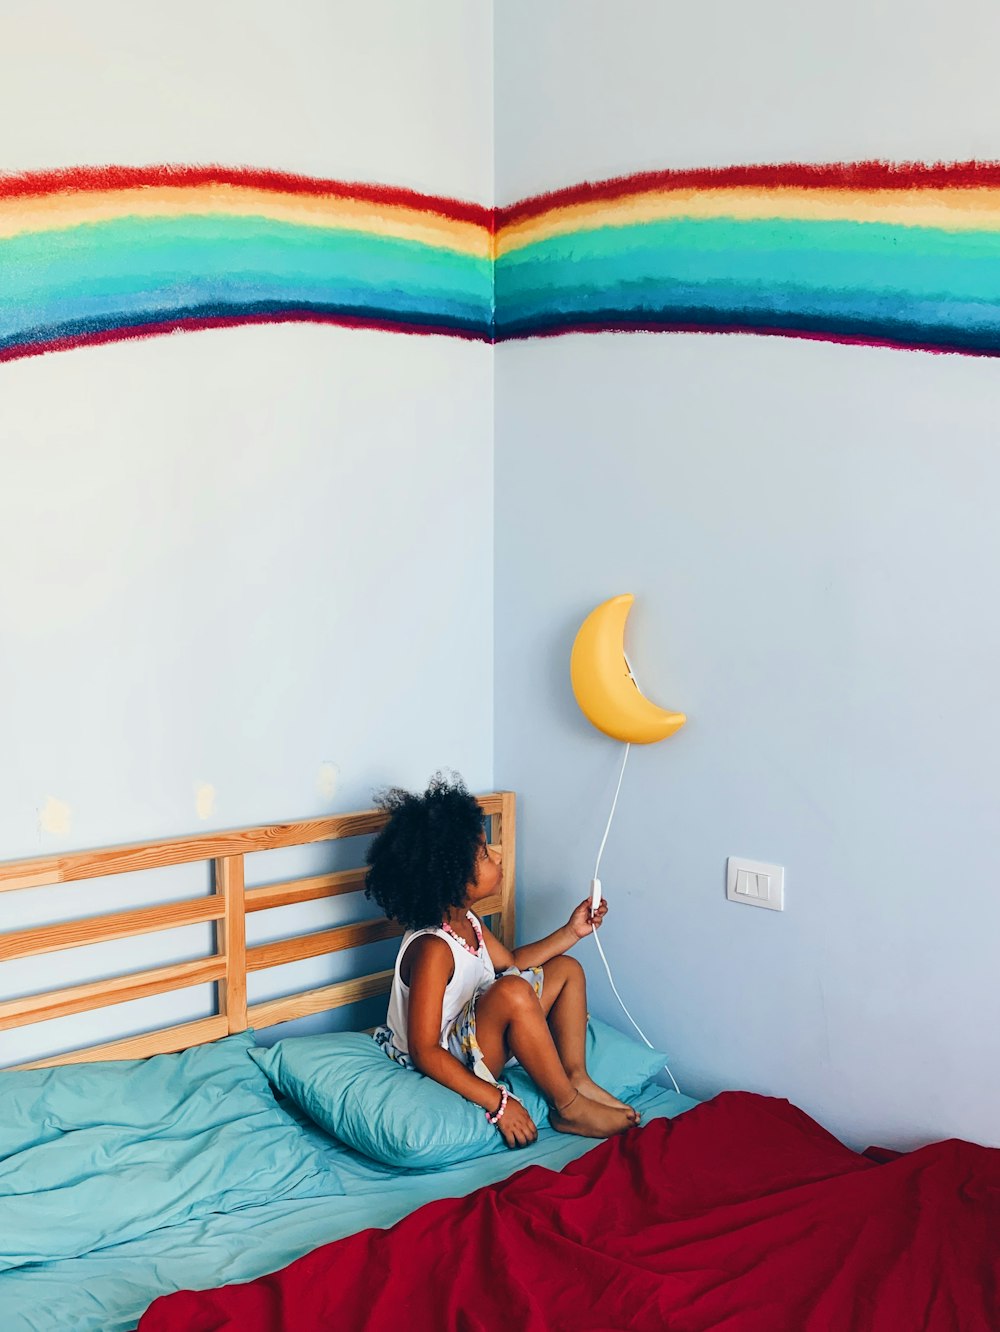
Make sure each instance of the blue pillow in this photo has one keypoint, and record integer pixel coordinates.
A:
(348, 1085)
(95, 1154)
(618, 1063)
(352, 1089)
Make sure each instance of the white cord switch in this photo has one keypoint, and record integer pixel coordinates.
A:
(595, 894)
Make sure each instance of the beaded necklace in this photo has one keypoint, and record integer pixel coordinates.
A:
(467, 946)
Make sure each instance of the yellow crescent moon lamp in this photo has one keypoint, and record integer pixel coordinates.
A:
(604, 685)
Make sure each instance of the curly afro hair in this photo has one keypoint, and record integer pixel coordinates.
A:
(422, 860)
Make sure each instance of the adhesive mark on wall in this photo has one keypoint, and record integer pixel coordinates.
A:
(55, 817)
(204, 800)
(903, 255)
(326, 780)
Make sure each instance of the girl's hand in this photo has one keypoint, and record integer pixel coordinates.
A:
(516, 1125)
(582, 922)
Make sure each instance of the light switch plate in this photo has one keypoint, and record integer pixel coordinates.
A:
(755, 884)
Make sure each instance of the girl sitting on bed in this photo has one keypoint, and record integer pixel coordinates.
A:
(461, 1003)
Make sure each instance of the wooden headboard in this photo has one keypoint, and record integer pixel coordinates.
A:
(227, 906)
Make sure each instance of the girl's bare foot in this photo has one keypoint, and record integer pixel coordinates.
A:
(594, 1092)
(589, 1118)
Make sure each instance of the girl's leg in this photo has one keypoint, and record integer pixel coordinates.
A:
(509, 1020)
(564, 1003)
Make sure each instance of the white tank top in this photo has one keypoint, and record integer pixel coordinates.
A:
(473, 971)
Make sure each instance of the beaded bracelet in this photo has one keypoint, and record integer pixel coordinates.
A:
(496, 1118)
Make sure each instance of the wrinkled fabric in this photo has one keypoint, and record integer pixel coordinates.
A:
(96, 1155)
(109, 1289)
(742, 1215)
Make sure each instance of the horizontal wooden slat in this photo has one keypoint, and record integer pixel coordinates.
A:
(304, 890)
(324, 941)
(181, 850)
(42, 870)
(103, 929)
(166, 1041)
(100, 994)
(290, 891)
(306, 1003)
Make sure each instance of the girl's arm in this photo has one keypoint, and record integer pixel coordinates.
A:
(580, 924)
(430, 973)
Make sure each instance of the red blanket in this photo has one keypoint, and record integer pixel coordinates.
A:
(742, 1215)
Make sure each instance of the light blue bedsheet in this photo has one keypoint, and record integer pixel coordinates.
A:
(109, 1290)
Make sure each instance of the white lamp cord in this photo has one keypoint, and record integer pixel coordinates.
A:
(594, 933)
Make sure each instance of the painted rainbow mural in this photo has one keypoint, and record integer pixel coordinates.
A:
(869, 252)
(103, 254)
(904, 255)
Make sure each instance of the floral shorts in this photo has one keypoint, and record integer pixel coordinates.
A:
(461, 1034)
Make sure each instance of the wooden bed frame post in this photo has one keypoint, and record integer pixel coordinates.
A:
(503, 833)
(232, 941)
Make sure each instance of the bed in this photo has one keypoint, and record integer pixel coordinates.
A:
(133, 1192)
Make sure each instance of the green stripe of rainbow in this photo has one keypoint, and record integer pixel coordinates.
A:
(902, 255)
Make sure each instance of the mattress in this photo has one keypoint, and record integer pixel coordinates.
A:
(108, 1290)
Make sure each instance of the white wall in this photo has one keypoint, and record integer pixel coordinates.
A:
(388, 92)
(810, 534)
(256, 560)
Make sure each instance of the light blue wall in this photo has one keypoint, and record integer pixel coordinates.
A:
(817, 591)
(810, 533)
